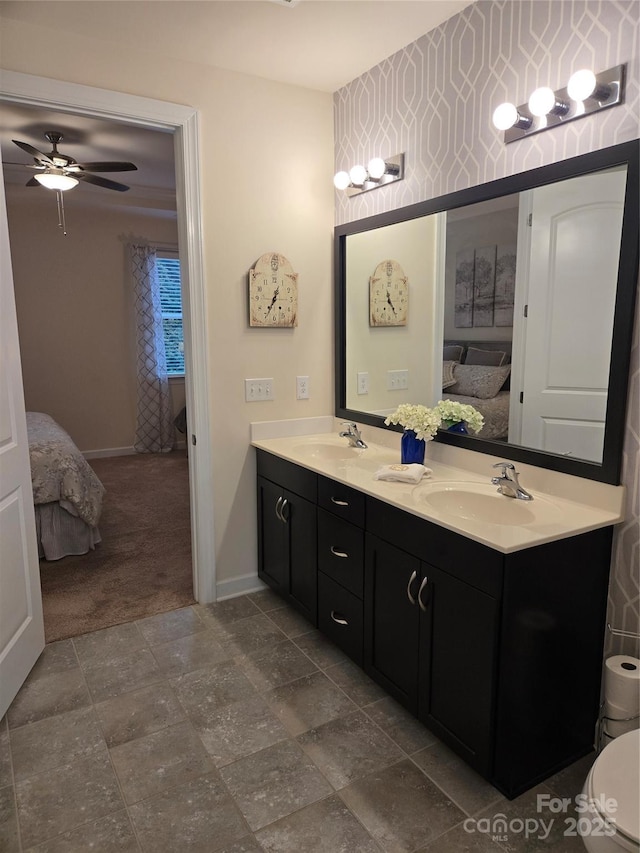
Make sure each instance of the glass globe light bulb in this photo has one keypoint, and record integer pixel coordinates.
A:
(341, 180)
(581, 85)
(542, 101)
(376, 168)
(358, 175)
(505, 116)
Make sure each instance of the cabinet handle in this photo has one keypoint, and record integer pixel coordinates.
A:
(425, 581)
(414, 575)
(278, 505)
(338, 618)
(337, 553)
(338, 502)
(285, 504)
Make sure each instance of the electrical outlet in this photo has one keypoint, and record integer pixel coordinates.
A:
(256, 390)
(397, 380)
(302, 387)
(363, 383)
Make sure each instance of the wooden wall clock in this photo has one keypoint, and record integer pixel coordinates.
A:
(273, 292)
(388, 295)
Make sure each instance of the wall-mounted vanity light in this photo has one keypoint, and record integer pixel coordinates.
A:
(585, 93)
(377, 173)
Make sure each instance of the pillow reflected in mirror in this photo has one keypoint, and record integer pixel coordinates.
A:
(477, 380)
(493, 358)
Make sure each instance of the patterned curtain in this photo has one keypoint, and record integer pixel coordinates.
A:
(154, 427)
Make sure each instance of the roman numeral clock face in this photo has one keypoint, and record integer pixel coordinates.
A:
(273, 292)
(388, 295)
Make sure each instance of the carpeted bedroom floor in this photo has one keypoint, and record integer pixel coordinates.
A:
(143, 564)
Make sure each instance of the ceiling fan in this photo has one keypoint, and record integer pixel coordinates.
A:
(60, 172)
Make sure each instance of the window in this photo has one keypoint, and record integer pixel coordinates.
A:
(171, 301)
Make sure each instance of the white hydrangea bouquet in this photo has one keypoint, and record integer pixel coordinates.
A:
(422, 420)
(451, 412)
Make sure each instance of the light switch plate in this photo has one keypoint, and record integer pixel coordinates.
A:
(256, 390)
(397, 380)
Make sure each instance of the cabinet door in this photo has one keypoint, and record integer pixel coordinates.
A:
(273, 557)
(392, 620)
(458, 659)
(301, 524)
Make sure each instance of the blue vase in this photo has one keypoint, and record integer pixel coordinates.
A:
(460, 428)
(412, 448)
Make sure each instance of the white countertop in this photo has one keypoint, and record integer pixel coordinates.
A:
(550, 516)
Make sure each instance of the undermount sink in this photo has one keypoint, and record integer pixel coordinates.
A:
(483, 503)
(326, 450)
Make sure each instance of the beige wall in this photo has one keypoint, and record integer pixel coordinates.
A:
(75, 314)
(267, 164)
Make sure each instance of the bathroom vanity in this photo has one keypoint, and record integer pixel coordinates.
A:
(489, 630)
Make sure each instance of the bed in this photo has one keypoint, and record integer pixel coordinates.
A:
(67, 494)
(477, 373)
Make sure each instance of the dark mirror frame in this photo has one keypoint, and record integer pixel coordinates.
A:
(627, 153)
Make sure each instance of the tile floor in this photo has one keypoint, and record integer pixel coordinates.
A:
(235, 728)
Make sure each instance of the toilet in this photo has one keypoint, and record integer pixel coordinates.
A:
(612, 789)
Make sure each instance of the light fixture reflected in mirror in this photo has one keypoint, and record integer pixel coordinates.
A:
(378, 173)
(586, 93)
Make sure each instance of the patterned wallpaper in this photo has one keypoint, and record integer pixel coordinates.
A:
(434, 100)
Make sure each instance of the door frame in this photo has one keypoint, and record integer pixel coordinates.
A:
(182, 121)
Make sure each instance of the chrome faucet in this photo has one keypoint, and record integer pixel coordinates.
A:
(353, 434)
(508, 484)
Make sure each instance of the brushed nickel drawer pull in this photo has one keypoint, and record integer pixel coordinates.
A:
(338, 502)
(338, 618)
(338, 553)
(278, 505)
(414, 575)
(285, 503)
(425, 581)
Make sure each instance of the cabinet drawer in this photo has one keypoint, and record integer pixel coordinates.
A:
(341, 500)
(340, 617)
(341, 551)
(297, 479)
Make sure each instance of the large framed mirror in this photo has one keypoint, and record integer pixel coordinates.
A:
(517, 297)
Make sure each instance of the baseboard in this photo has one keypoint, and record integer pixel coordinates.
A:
(108, 451)
(238, 586)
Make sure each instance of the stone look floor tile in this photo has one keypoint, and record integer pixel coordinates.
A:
(199, 817)
(324, 827)
(139, 713)
(202, 692)
(349, 748)
(245, 845)
(5, 755)
(460, 840)
(273, 783)
(56, 741)
(187, 654)
(249, 635)
(56, 657)
(166, 627)
(151, 764)
(463, 785)
(355, 683)
(225, 612)
(290, 622)
(121, 675)
(267, 600)
(308, 702)
(8, 821)
(401, 808)
(240, 729)
(322, 651)
(48, 695)
(276, 665)
(111, 834)
(63, 799)
(401, 726)
(109, 643)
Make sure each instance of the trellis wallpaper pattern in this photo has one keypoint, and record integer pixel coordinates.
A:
(434, 99)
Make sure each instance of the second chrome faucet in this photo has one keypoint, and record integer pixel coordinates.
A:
(353, 434)
(508, 484)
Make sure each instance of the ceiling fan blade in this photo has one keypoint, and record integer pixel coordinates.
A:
(33, 151)
(99, 182)
(33, 183)
(107, 167)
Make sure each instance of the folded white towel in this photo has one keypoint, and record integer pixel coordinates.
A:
(403, 473)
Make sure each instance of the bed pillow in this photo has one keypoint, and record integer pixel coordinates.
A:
(479, 380)
(488, 357)
(452, 352)
(448, 377)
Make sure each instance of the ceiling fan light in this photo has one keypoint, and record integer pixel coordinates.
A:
(56, 181)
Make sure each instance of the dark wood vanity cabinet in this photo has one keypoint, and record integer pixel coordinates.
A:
(500, 655)
(287, 532)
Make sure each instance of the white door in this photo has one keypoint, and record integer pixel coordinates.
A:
(21, 623)
(575, 246)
